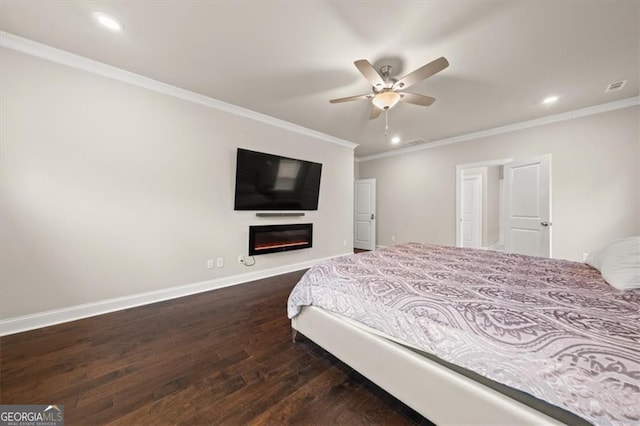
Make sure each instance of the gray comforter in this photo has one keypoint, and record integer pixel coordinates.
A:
(548, 327)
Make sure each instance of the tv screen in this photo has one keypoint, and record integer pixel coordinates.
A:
(271, 182)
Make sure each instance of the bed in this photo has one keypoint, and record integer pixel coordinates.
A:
(468, 336)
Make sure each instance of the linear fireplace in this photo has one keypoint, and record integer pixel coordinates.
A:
(273, 238)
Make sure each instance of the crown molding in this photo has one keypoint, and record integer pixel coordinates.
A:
(556, 118)
(69, 59)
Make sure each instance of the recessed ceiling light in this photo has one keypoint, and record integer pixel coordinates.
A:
(107, 21)
(550, 100)
(395, 140)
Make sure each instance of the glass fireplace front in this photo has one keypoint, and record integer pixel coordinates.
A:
(274, 238)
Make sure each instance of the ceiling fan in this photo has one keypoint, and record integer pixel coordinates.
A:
(388, 91)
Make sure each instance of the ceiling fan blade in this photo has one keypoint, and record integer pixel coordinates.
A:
(350, 98)
(421, 73)
(414, 98)
(369, 72)
(375, 112)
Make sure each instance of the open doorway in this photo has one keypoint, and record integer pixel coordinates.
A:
(481, 204)
(472, 211)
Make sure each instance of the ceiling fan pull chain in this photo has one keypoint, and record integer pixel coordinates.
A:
(386, 122)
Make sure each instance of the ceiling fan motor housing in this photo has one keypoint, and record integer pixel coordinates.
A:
(385, 73)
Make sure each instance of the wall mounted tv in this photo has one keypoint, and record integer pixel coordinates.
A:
(271, 182)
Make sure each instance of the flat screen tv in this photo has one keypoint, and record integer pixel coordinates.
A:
(272, 182)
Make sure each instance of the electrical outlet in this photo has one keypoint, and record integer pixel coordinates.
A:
(210, 264)
(584, 257)
(344, 243)
(240, 258)
(393, 238)
(220, 262)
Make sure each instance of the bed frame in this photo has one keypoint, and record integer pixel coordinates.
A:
(438, 393)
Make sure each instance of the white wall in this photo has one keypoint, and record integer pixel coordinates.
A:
(595, 182)
(109, 189)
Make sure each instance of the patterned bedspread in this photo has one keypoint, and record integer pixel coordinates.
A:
(548, 327)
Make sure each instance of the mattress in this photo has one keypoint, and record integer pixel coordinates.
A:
(550, 328)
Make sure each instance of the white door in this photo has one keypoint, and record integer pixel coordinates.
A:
(365, 215)
(528, 206)
(471, 213)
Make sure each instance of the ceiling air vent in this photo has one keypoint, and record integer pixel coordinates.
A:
(415, 142)
(615, 86)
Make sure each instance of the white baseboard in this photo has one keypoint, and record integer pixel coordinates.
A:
(72, 313)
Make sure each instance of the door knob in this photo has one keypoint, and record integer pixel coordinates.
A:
(373, 216)
(545, 223)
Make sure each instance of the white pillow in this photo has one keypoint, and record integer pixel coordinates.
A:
(619, 263)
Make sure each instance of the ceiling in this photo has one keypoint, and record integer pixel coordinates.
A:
(287, 59)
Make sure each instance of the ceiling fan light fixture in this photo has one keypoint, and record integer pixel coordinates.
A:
(386, 100)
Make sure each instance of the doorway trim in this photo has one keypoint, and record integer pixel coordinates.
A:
(459, 179)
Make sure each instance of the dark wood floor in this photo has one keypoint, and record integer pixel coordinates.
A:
(222, 357)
